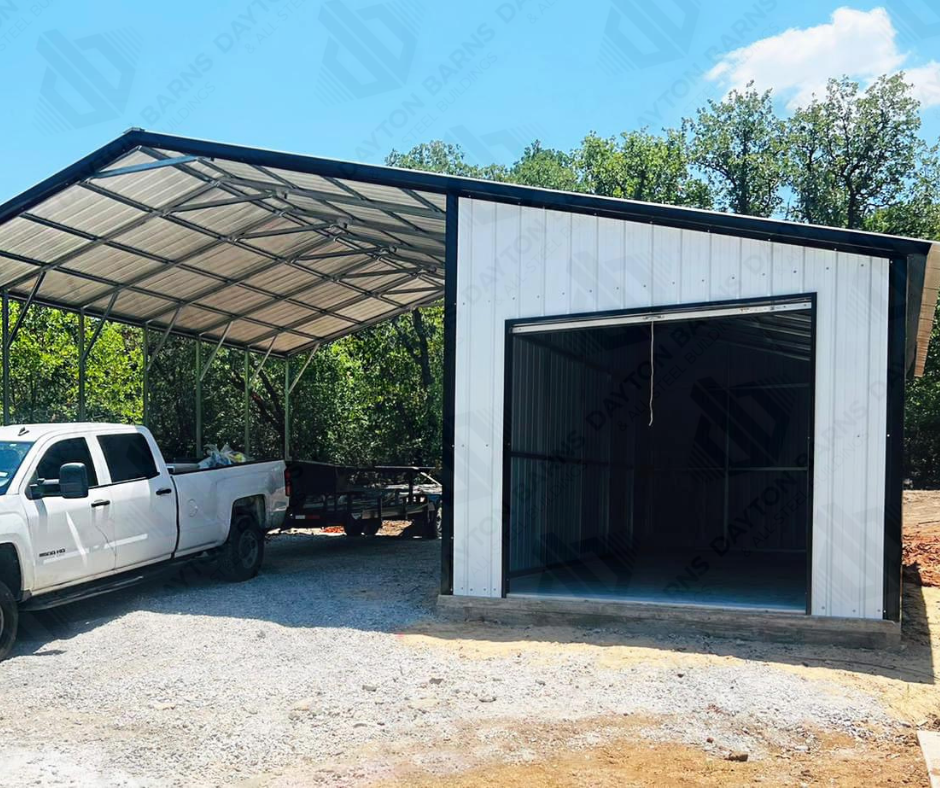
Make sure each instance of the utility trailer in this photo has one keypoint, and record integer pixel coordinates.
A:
(361, 498)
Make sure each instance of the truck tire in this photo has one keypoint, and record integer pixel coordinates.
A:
(243, 553)
(9, 621)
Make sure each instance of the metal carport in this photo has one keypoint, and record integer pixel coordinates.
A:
(215, 245)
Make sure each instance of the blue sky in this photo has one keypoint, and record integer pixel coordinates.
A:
(356, 78)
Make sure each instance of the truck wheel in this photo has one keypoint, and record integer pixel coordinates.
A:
(243, 553)
(9, 621)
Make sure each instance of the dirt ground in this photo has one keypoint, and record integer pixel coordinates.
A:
(922, 537)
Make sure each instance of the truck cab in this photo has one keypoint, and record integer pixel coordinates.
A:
(89, 507)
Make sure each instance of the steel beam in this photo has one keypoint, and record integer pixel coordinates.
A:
(145, 350)
(6, 357)
(164, 338)
(246, 402)
(287, 391)
(26, 305)
(257, 370)
(145, 167)
(199, 399)
(82, 355)
(215, 350)
(303, 369)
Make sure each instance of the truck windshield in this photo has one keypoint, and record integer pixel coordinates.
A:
(11, 456)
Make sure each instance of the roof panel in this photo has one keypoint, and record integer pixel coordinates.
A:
(114, 264)
(283, 313)
(228, 219)
(164, 238)
(61, 285)
(178, 284)
(328, 295)
(23, 237)
(283, 279)
(134, 305)
(234, 299)
(325, 326)
(196, 319)
(227, 260)
(154, 188)
(13, 269)
(84, 210)
(373, 191)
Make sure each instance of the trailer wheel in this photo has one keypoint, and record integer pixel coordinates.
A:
(9, 621)
(243, 553)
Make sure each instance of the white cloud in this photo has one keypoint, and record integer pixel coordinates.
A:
(798, 62)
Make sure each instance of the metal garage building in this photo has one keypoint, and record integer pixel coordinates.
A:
(644, 403)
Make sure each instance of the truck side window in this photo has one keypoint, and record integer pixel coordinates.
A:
(69, 450)
(128, 456)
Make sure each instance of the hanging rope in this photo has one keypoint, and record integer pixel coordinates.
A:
(652, 369)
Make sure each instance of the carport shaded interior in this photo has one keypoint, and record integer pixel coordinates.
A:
(254, 256)
(708, 504)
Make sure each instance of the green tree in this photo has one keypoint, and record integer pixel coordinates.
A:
(546, 168)
(739, 143)
(639, 165)
(852, 152)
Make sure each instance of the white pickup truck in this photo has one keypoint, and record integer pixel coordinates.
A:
(91, 508)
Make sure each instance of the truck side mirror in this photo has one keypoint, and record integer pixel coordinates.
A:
(73, 480)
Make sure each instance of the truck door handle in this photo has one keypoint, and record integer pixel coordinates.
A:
(164, 491)
(96, 504)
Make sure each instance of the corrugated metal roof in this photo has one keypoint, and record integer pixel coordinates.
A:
(226, 250)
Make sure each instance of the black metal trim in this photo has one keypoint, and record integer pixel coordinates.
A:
(894, 438)
(507, 454)
(853, 241)
(450, 393)
(811, 455)
(672, 309)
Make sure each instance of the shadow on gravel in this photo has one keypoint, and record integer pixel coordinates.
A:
(310, 580)
(390, 585)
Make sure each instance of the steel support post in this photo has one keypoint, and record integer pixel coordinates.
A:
(287, 392)
(6, 357)
(145, 395)
(246, 404)
(199, 398)
(81, 365)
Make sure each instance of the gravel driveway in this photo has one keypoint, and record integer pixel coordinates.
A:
(331, 668)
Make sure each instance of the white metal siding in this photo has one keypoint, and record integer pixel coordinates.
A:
(525, 262)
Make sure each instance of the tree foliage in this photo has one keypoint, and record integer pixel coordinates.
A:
(853, 153)
(739, 144)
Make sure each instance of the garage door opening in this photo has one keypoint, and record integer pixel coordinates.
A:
(662, 457)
